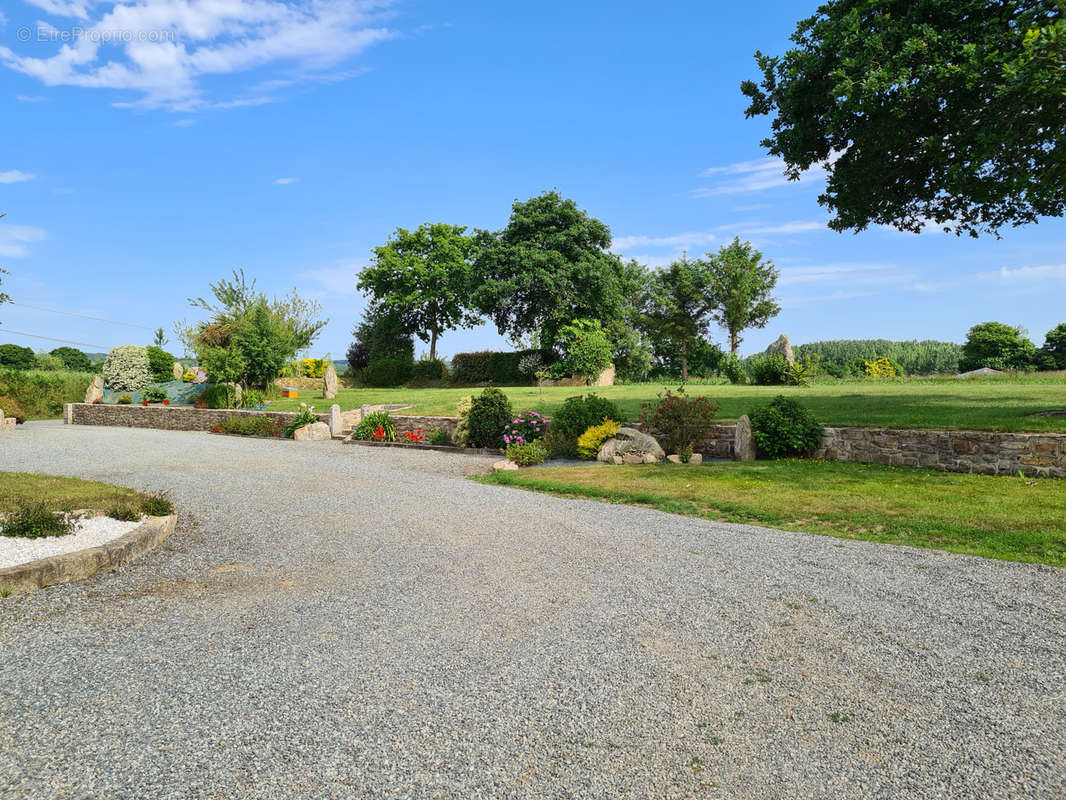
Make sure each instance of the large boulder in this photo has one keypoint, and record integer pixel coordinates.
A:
(783, 346)
(744, 443)
(315, 432)
(178, 372)
(329, 383)
(630, 446)
(95, 392)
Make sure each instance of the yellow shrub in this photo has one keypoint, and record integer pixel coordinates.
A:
(881, 368)
(590, 442)
(313, 367)
(189, 376)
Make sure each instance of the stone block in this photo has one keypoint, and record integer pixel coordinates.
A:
(743, 441)
(315, 432)
(95, 392)
(336, 420)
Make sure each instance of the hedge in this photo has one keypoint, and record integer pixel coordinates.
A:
(499, 369)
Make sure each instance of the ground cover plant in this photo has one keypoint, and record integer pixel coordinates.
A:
(19, 490)
(996, 404)
(247, 425)
(1011, 518)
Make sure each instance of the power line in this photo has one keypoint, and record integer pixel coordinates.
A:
(83, 316)
(53, 339)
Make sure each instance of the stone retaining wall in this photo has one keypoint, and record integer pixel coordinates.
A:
(405, 424)
(168, 418)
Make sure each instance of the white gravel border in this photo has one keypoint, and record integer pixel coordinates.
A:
(91, 532)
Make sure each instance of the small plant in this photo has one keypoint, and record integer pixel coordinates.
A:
(220, 395)
(414, 437)
(154, 394)
(376, 426)
(36, 521)
(524, 428)
(188, 376)
(439, 436)
(681, 421)
(253, 398)
(785, 427)
(125, 510)
(590, 442)
(524, 455)
(246, 425)
(305, 416)
(124, 400)
(489, 415)
(156, 504)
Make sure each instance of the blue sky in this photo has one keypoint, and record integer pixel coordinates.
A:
(174, 141)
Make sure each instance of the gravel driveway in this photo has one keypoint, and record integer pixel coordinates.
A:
(335, 622)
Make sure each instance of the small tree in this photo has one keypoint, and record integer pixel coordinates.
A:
(379, 335)
(423, 276)
(678, 305)
(160, 340)
(997, 346)
(741, 283)
(73, 359)
(586, 350)
(17, 357)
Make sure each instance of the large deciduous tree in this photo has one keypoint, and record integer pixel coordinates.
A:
(549, 266)
(998, 346)
(678, 303)
(741, 286)
(1054, 349)
(950, 112)
(423, 277)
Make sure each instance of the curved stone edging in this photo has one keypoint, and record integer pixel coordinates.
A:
(80, 564)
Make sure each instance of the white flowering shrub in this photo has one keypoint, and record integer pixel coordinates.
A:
(126, 369)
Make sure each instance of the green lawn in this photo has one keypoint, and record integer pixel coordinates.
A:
(998, 404)
(1009, 518)
(18, 489)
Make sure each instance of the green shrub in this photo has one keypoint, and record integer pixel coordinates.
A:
(499, 369)
(126, 369)
(305, 416)
(156, 504)
(36, 521)
(590, 442)
(733, 369)
(426, 369)
(124, 400)
(679, 420)
(882, 368)
(40, 395)
(578, 414)
(161, 363)
(387, 372)
(220, 395)
(12, 408)
(489, 415)
(586, 350)
(439, 436)
(249, 425)
(367, 428)
(73, 359)
(461, 438)
(784, 427)
(843, 358)
(253, 398)
(16, 356)
(313, 367)
(770, 369)
(525, 455)
(154, 394)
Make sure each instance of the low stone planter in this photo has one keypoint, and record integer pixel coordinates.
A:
(67, 567)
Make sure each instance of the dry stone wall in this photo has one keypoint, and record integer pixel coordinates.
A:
(168, 418)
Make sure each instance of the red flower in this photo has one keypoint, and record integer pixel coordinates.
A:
(166, 401)
(218, 430)
(277, 434)
(144, 402)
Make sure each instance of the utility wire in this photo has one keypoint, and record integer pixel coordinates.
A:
(53, 339)
(83, 316)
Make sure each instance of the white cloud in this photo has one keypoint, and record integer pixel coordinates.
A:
(36, 98)
(15, 238)
(754, 176)
(16, 176)
(1024, 274)
(768, 228)
(851, 273)
(285, 181)
(680, 240)
(163, 49)
(335, 280)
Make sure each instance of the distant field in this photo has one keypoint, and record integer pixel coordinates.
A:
(1001, 404)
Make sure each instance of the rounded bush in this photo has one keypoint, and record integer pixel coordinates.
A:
(127, 368)
(73, 359)
(578, 414)
(387, 372)
(161, 363)
(784, 428)
(428, 369)
(770, 369)
(489, 416)
(590, 442)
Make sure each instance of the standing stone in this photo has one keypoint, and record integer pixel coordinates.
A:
(95, 392)
(6, 423)
(179, 371)
(329, 383)
(315, 432)
(783, 346)
(336, 420)
(744, 443)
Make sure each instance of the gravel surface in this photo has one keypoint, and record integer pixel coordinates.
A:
(333, 621)
(91, 532)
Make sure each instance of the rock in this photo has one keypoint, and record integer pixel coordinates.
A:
(315, 432)
(329, 383)
(336, 420)
(744, 443)
(695, 458)
(95, 392)
(628, 443)
(6, 423)
(605, 378)
(501, 466)
(783, 346)
(178, 371)
(674, 458)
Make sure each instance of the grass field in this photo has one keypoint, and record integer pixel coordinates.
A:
(999, 404)
(997, 517)
(17, 489)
